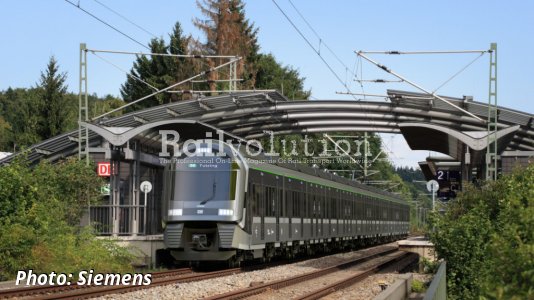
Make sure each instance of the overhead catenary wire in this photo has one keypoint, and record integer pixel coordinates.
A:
(322, 42)
(107, 24)
(363, 94)
(395, 52)
(311, 46)
(124, 71)
(377, 80)
(164, 54)
(386, 69)
(143, 29)
(125, 18)
(459, 72)
(166, 89)
(232, 59)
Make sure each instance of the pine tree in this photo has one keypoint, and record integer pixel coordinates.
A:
(229, 32)
(272, 75)
(53, 104)
(158, 71)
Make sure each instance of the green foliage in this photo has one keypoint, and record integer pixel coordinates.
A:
(53, 101)
(486, 237)
(22, 115)
(159, 71)
(418, 286)
(40, 209)
(429, 267)
(271, 74)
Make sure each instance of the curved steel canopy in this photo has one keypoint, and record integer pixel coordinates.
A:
(250, 115)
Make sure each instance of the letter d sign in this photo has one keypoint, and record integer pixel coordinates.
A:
(104, 169)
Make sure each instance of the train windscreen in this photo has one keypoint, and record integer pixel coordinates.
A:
(204, 180)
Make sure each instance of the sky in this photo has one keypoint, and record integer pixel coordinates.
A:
(33, 30)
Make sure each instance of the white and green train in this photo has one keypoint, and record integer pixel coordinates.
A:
(222, 205)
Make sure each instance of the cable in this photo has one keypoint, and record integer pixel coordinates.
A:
(122, 33)
(124, 71)
(124, 18)
(321, 41)
(311, 46)
(458, 73)
(107, 24)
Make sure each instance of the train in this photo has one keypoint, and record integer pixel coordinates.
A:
(221, 203)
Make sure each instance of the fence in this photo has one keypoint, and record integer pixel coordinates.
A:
(128, 219)
(438, 287)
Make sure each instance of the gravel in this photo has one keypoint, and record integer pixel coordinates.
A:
(210, 287)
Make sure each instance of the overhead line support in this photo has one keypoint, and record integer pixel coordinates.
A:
(83, 107)
(492, 156)
(383, 67)
(167, 88)
(424, 52)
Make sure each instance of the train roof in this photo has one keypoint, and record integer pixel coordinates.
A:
(304, 172)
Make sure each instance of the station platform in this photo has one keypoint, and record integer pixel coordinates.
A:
(420, 245)
(143, 247)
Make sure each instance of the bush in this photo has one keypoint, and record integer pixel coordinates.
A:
(40, 209)
(418, 286)
(487, 239)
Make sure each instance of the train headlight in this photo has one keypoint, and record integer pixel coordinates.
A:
(175, 212)
(226, 212)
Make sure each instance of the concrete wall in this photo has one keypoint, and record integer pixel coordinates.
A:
(142, 247)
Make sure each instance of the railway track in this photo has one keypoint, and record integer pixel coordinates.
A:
(383, 259)
(169, 277)
(42, 291)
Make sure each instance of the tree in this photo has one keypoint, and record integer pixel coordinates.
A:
(158, 71)
(22, 112)
(272, 75)
(5, 135)
(229, 32)
(53, 104)
(40, 210)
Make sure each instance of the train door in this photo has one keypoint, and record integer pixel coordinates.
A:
(302, 206)
(312, 206)
(256, 206)
(338, 215)
(261, 207)
(327, 208)
(279, 206)
(249, 199)
(320, 211)
(315, 211)
(288, 198)
(343, 214)
(311, 210)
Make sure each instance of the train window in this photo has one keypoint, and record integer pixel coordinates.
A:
(270, 201)
(258, 207)
(288, 202)
(320, 200)
(282, 203)
(267, 201)
(303, 203)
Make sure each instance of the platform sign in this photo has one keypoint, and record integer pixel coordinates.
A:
(432, 186)
(145, 187)
(104, 169)
(105, 190)
(449, 182)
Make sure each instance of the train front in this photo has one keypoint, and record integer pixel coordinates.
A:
(203, 200)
